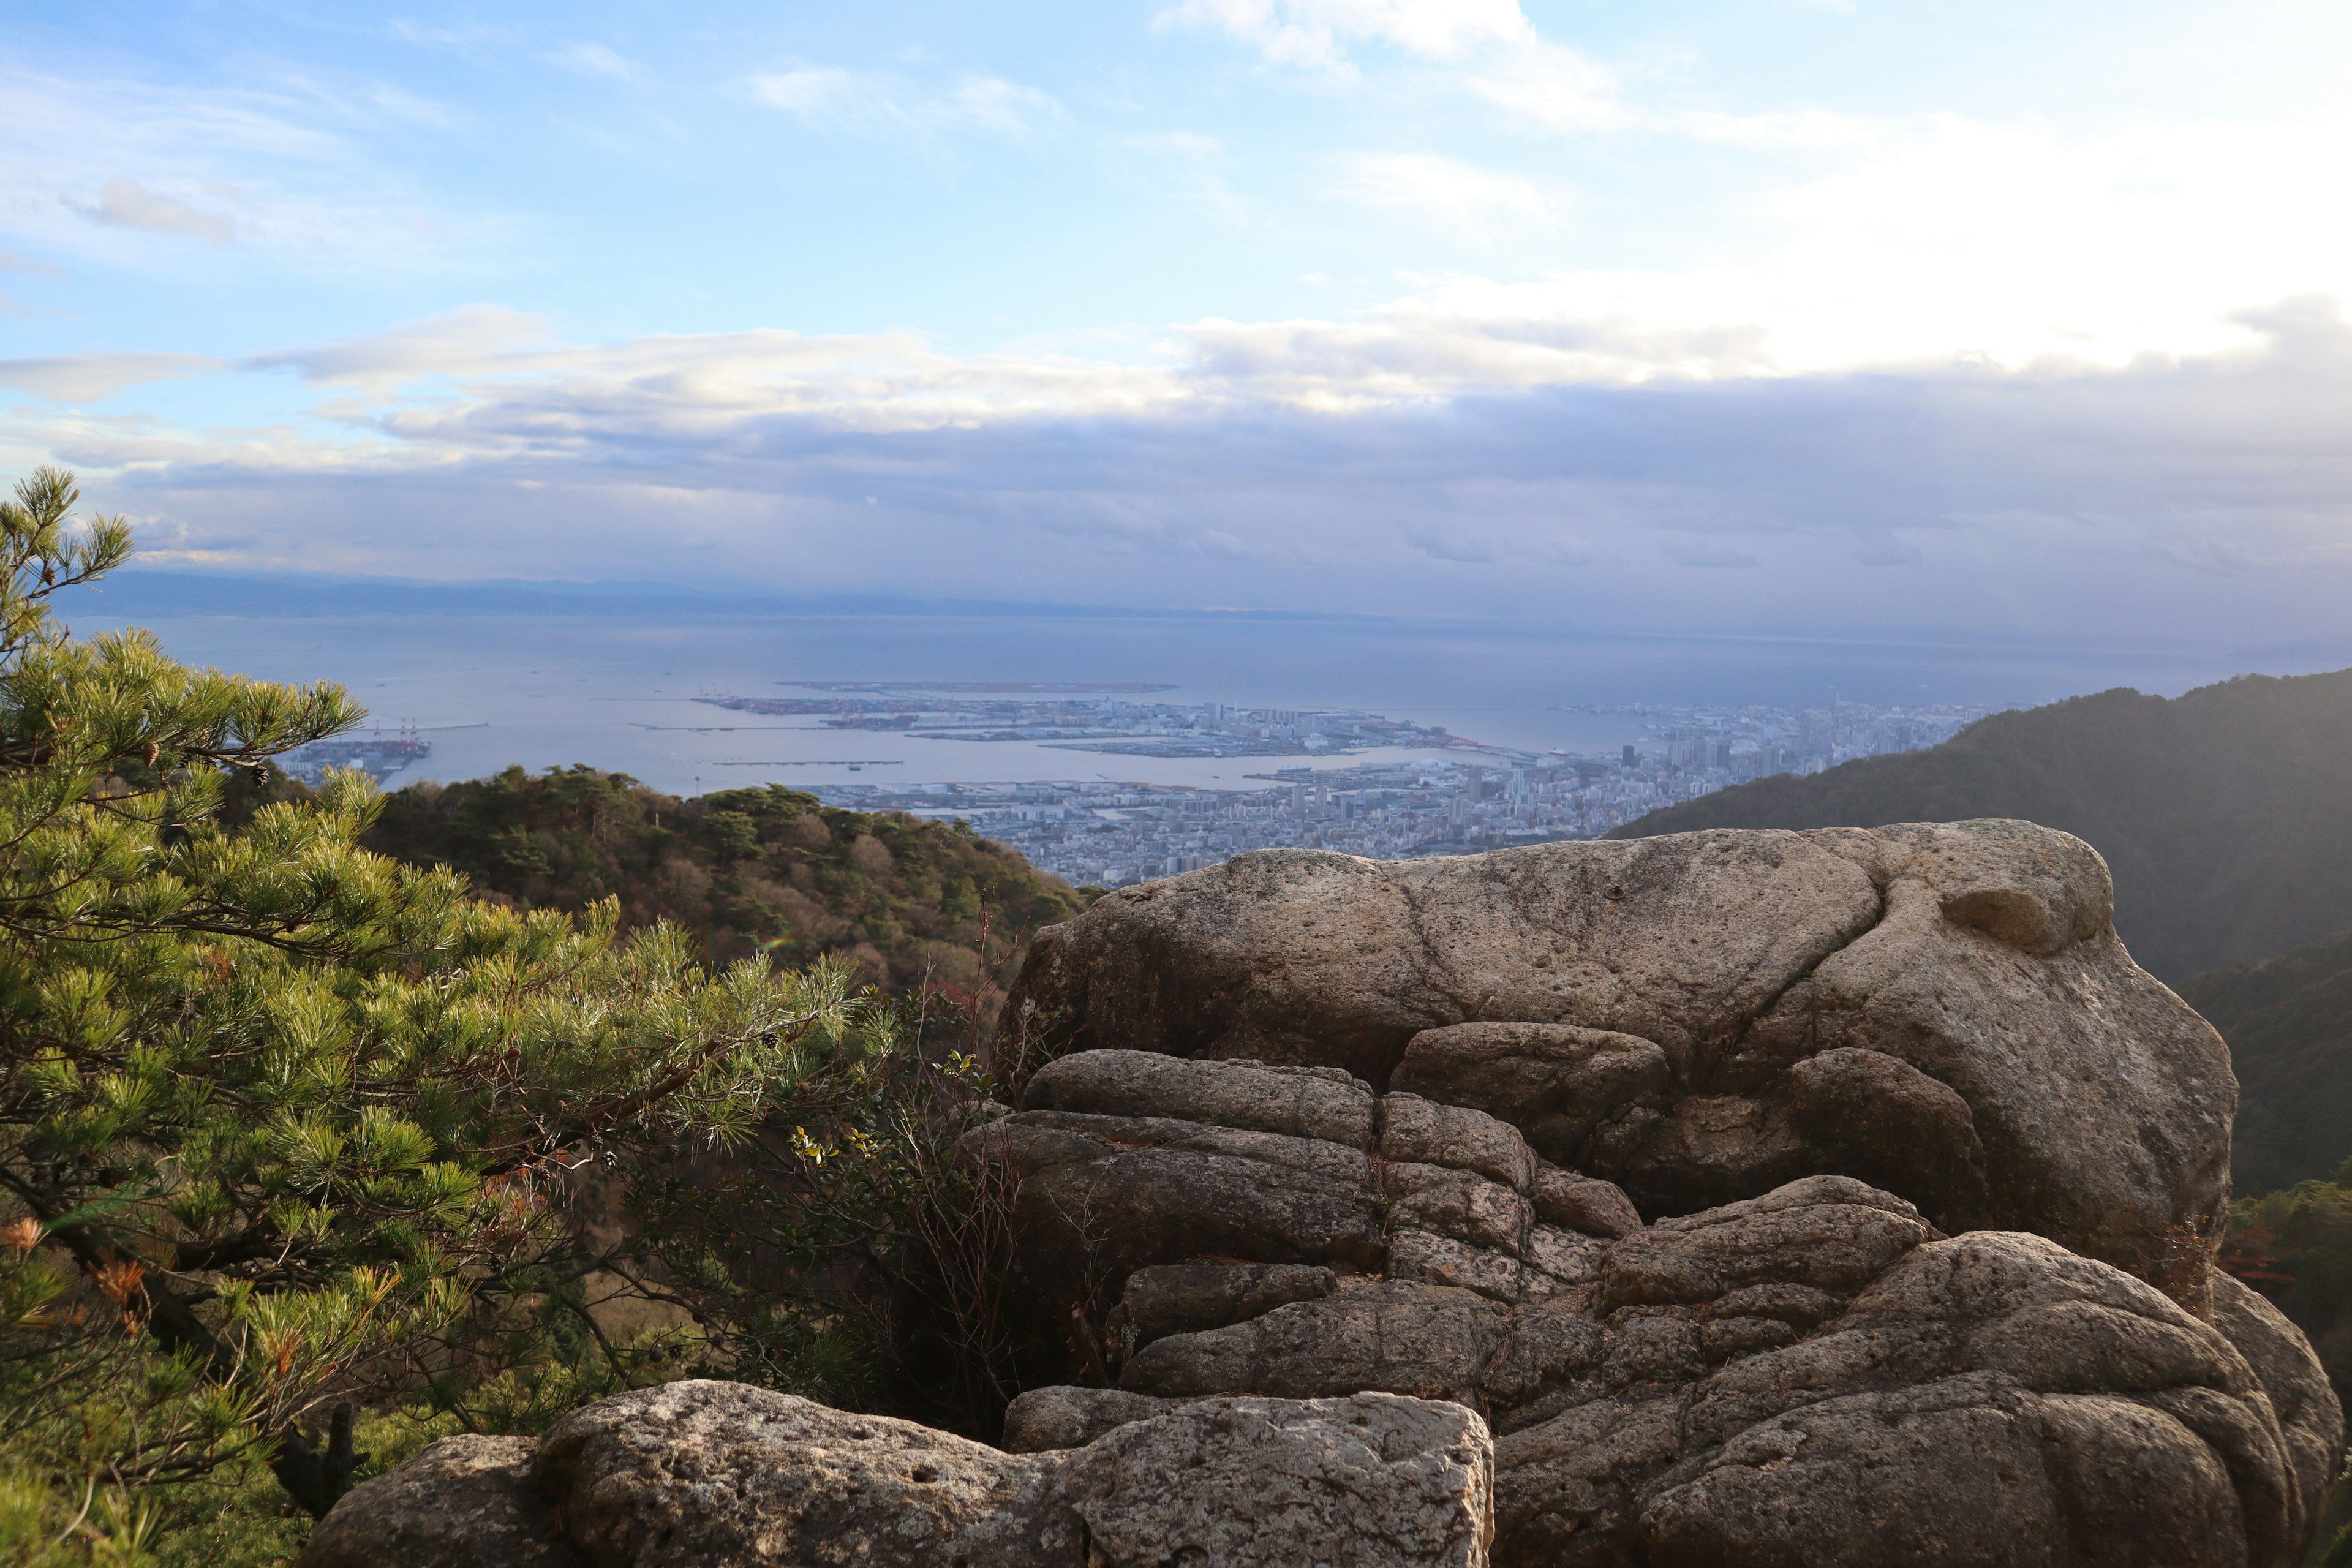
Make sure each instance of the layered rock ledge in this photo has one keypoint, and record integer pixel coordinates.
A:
(1815, 1376)
(1944, 1011)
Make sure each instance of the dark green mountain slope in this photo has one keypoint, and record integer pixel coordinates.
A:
(2226, 814)
(2288, 1020)
(744, 868)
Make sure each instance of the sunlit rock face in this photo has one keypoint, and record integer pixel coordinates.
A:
(1942, 1011)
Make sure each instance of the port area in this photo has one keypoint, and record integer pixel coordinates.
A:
(1110, 719)
(1466, 798)
(376, 754)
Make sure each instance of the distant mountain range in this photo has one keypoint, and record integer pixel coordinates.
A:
(2226, 814)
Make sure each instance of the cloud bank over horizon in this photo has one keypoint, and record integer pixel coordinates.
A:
(1463, 318)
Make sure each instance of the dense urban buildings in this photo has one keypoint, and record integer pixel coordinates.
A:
(1461, 799)
(1452, 795)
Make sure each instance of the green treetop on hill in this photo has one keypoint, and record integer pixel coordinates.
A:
(910, 902)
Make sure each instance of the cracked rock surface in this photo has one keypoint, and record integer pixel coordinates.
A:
(1944, 1011)
(720, 1475)
(1815, 1376)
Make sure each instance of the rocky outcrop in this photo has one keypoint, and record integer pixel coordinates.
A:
(716, 1475)
(1941, 1010)
(1842, 1199)
(1817, 1374)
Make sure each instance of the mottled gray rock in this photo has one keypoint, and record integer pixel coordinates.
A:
(1101, 1196)
(1044, 1420)
(1942, 1011)
(1303, 1101)
(1323, 959)
(1180, 1297)
(2310, 1418)
(1431, 1258)
(1990, 1398)
(1891, 1124)
(1426, 1133)
(1426, 1340)
(2101, 1102)
(464, 1500)
(1827, 1233)
(1371, 1482)
(1781, 1380)
(710, 1474)
(1806, 1057)
(1555, 1082)
(1575, 1202)
(1572, 1257)
(1700, 1151)
(713, 1475)
(1458, 1203)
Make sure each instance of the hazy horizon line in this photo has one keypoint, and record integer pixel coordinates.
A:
(178, 591)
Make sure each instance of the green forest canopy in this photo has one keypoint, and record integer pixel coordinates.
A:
(2288, 1020)
(768, 869)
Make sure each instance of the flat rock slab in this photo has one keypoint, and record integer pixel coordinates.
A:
(717, 1475)
(466, 1499)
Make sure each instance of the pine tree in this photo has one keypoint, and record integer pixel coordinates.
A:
(283, 1123)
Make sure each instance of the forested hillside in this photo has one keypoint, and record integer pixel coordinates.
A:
(765, 869)
(2288, 1020)
(2226, 814)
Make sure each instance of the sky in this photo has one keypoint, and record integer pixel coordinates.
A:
(1865, 318)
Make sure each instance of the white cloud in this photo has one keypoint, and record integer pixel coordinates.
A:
(1196, 168)
(131, 204)
(2013, 242)
(99, 166)
(1552, 85)
(1443, 454)
(1316, 32)
(17, 261)
(82, 378)
(2094, 500)
(875, 103)
(1426, 188)
(399, 104)
(595, 60)
(475, 339)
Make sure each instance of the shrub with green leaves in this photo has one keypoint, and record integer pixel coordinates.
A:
(284, 1123)
(848, 1253)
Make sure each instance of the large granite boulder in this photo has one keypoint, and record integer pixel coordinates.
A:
(1942, 1011)
(1817, 1374)
(717, 1475)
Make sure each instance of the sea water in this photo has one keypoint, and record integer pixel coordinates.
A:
(490, 690)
